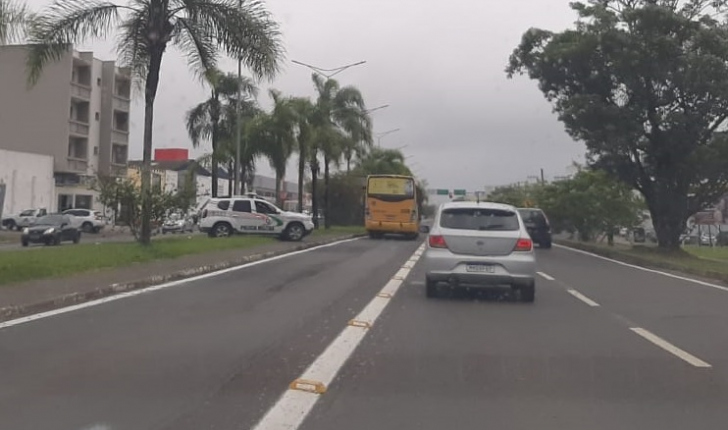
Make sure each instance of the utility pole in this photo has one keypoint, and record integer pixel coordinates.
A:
(328, 73)
(543, 181)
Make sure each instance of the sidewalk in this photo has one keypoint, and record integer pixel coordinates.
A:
(26, 298)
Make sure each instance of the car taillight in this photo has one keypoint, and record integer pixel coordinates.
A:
(437, 242)
(523, 245)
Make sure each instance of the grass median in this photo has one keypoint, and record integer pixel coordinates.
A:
(699, 261)
(65, 260)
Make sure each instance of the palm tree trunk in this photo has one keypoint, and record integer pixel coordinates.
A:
(327, 206)
(214, 159)
(301, 174)
(314, 194)
(279, 175)
(231, 178)
(150, 93)
(348, 163)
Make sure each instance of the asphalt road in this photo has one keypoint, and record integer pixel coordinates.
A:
(605, 346)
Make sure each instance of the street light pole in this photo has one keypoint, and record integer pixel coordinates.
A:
(238, 125)
(328, 73)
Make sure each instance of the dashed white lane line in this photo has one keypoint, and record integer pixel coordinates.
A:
(128, 294)
(546, 276)
(644, 269)
(672, 349)
(291, 409)
(582, 297)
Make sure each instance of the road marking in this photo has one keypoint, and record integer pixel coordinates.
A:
(128, 294)
(292, 408)
(645, 269)
(672, 349)
(582, 297)
(546, 276)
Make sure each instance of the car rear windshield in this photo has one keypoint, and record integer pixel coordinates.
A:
(479, 219)
(534, 216)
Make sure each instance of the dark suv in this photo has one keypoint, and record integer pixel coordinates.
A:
(537, 225)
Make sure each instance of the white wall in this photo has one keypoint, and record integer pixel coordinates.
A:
(94, 125)
(29, 181)
(169, 183)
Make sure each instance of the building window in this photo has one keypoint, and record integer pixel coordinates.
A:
(119, 154)
(96, 150)
(83, 201)
(77, 148)
(97, 116)
(65, 201)
(98, 82)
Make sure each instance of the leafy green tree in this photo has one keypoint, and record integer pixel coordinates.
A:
(199, 28)
(14, 18)
(518, 195)
(303, 110)
(383, 162)
(644, 83)
(205, 121)
(590, 203)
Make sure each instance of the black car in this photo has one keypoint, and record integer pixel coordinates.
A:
(51, 230)
(537, 225)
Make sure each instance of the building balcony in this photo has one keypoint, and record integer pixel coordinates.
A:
(121, 103)
(77, 165)
(78, 128)
(80, 91)
(120, 136)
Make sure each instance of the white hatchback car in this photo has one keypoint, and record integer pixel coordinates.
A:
(480, 244)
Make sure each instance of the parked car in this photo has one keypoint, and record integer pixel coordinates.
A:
(51, 230)
(178, 223)
(479, 244)
(86, 220)
(224, 217)
(24, 219)
(537, 225)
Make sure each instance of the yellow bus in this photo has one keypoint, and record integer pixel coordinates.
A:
(391, 206)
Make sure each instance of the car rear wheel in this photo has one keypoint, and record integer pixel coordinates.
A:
(546, 244)
(430, 288)
(24, 243)
(528, 293)
(222, 229)
(375, 235)
(294, 232)
(10, 224)
(87, 227)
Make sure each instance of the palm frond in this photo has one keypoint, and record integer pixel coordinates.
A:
(132, 47)
(13, 18)
(63, 24)
(198, 123)
(197, 45)
(244, 30)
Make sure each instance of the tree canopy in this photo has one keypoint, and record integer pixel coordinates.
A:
(644, 84)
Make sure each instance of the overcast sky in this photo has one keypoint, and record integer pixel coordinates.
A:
(439, 65)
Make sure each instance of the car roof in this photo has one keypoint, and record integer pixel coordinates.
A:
(531, 209)
(484, 205)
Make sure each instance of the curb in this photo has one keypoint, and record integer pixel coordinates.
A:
(644, 262)
(13, 312)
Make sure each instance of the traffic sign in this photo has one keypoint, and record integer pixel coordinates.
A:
(460, 192)
(442, 192)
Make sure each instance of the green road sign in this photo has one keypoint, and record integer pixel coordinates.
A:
(459, 192)
(441, 192)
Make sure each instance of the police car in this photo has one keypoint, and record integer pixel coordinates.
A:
(223, 217)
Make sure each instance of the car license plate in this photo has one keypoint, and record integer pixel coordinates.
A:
(480, 268)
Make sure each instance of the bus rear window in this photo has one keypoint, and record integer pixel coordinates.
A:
(385, 187)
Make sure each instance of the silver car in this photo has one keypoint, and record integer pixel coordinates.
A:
(480, 244)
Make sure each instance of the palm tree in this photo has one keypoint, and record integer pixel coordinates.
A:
(303, 110)
(199, 28)
(340, 108)
(204, 121)
(384, 162)
(14, 17)
(274, 133)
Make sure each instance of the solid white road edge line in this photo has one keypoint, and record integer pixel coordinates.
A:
(582, 297)
(672, 349)
(546, 276)
(34, 317)
(291, 409)
(633, 266)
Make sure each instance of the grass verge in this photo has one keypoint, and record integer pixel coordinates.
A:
(69, 259)
(686, 261)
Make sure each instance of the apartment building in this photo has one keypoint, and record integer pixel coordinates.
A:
(78, 113)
